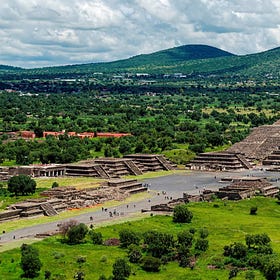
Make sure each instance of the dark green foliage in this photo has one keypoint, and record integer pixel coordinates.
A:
(134, 253)
(258, 242)
(80, 275)
(258, 255)
(96, 237)
(181, 214)
(201, 245)
(250, 275)
(158, 243)
(21, 185)
(271, 268)
(236, 250)
(203, 233)
(102, 277)
(30, 261)
(55, 185)
(48, 274)
(121, 269)
(81, 259)
(233, 273)
(76, 234)
(253, 210)
(128, 237)
(185, 238)
(183, 255)
(151, 264)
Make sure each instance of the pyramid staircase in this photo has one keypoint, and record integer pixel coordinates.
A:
(244, 161)
(101, 171)
(133, 167)
(48, 209)
(165, 163)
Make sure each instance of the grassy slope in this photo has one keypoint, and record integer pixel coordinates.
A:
(228, 223)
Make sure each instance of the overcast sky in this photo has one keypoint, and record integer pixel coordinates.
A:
(36, 33)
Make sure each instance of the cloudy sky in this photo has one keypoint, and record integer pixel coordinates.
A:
(36, 33)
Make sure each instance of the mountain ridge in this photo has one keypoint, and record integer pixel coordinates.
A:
(194, 58)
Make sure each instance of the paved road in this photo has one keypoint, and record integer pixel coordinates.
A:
(173, 185)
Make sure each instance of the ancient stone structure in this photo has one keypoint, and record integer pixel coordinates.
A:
(246, 187)
(62, 198)
(86, 168)
(261, 142)
(261, 145)
(221, 161)
(273, 158)
(101, 168)
(44, 170)
(149, 162)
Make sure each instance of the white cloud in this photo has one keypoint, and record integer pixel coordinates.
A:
(53, 32)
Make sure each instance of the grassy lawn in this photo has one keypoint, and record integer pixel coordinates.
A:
(227, 222)
(77, 182)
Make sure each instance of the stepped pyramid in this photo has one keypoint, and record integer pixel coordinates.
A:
(261, 142)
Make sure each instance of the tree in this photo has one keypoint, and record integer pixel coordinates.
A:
(23, 155)
(201, 245)
(128, 237)
(66, 226)
(77, 233)
(185, 238)
(203, 232)
(181, 214)
(121, 269)
(151, 264)
(236, 250)
(96, 237)
(159, 243)
(134, 253)
(30, 261)
(21, 184)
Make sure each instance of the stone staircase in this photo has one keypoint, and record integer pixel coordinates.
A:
(164, 163)
(48, 209)
(133, 167)
(101, 171)
(244, 161)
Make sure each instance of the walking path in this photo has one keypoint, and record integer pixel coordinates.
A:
(173, 185)
(96, 217)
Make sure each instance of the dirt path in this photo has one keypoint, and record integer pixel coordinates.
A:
(173, 185)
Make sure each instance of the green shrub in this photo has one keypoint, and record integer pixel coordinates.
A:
(151, 264)
(182, 214)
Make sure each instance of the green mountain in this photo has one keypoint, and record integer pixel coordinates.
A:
(188, 59)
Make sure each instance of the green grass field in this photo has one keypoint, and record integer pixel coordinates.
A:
(227, 222)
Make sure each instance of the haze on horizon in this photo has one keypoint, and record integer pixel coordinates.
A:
(37, 33)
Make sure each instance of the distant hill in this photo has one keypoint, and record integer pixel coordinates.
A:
(177, 54)
(188, 59)
(8, 67)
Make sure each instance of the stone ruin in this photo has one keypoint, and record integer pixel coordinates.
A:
(262, 145)
(240, 188)
(219, 161)
(106, 168)
(65, 198)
